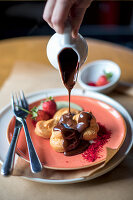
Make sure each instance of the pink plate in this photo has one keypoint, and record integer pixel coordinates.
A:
(104, 113)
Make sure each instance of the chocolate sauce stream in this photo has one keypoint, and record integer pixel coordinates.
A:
(69, 67)
(69, 93)
(71, 131)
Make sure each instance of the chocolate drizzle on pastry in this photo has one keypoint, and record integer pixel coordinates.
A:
(83, 121)
(72, 132)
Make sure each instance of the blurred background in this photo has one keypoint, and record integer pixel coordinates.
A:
(106, 20)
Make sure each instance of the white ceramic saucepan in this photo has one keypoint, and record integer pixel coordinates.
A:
(58, 42)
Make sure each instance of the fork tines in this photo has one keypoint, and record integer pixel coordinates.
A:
(19, 100)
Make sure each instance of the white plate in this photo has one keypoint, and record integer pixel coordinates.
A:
(6, 115)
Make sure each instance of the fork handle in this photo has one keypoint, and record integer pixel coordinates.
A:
(34, 160)
(7, 166)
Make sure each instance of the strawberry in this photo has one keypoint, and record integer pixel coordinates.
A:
(37, 114)
(91, 84)
(49, 106)
(102, 81)
(42, 115)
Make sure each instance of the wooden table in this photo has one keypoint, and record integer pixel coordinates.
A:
(33, 49)
(117, 184)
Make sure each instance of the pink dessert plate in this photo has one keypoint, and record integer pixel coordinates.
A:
(104, 113)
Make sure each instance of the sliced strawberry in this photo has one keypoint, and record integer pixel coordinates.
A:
(102, 81)
(42, 115)
(49, 106)
(91, 84)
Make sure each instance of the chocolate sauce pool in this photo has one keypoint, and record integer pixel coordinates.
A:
(72, 132)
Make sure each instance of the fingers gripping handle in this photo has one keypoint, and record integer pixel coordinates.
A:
(67, 33)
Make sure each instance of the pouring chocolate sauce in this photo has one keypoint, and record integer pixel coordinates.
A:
(71, 131)
(69, 68)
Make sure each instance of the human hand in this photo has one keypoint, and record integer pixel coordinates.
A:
(56, 13)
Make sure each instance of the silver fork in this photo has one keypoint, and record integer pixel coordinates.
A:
(21, 115)
(7, 166)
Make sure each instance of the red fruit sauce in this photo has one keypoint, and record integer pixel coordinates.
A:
(91, 84)
(93, 151)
